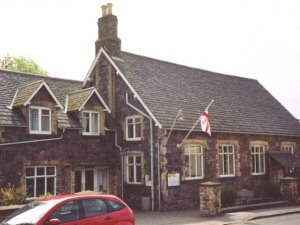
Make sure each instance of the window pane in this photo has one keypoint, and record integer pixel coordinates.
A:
(30, 187)
(94, 207)
(138, 159)
(193, 166)
(131, 173)
(138, 130)
(129, 121)
(29, 172)
(138, 174)
(86, 124)
(115, 205)
(130, 131)
(50, 170)
(45, 123)
(34, 120)
(40, 171)
(45, 112)
(199, 166)
(262, 162)
(257, 163)
(40, 186)
(130, 159)
(253, 163)
(225, 157)
(50, 185)
(231, 164)
(137, 120)
(95, 123)
(186, 166)
(67, 212)
(221, 164)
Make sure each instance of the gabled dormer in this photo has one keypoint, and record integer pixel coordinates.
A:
(39, 106)
(90, 108)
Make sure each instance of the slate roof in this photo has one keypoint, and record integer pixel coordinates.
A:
(10, 81)
(241, 105)
(285, 159)
(77, 98)
(25, 91)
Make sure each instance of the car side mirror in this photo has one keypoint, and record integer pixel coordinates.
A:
(54, 222)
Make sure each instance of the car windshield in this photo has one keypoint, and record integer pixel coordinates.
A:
(30, 213)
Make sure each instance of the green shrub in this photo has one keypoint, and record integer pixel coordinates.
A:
(271, 189)
(228, 196)
(11, 195)
(47, 195)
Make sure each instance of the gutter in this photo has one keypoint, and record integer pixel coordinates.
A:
(151, 148)
(122, 161)
(34, 141)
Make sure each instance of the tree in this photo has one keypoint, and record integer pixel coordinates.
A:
(21, 64)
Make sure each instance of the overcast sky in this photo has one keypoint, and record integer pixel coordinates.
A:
(258, 39)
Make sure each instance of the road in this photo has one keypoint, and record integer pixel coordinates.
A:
(293, 219)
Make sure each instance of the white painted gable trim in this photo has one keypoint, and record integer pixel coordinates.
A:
(99, 97)
(119, 72)
(50, 92)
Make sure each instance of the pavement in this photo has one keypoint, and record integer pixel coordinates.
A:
(192, 217)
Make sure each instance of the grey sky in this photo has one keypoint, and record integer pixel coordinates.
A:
(257, 38)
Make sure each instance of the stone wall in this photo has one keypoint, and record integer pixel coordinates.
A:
(74, 150)
(186, 195)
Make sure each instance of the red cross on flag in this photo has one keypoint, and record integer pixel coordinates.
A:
(204, 121)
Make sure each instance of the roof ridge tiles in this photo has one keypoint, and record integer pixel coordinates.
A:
(81, 90)
(189, 67)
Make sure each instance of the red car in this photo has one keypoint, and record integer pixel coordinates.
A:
(75, 209)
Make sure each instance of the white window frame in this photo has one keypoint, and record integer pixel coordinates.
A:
(134, 128)
(287, 148)
(91, 122)
(45, 176)
(223, 154)
(260, 154)
(189, 146)
(39, 131)
(134, 164)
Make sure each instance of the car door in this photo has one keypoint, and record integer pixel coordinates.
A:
(68, 213)
(96, 212)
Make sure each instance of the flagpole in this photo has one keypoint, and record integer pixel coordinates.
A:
(179, 145)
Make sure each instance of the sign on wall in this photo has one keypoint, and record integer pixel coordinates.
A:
(173, 179)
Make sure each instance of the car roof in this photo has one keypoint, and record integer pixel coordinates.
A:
(76, 196)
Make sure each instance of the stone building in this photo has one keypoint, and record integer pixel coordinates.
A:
(118, 130)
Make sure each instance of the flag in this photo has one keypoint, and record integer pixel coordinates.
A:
(204, 121)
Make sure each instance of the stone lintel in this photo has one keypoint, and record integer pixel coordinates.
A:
(288, 178)
(210, 183)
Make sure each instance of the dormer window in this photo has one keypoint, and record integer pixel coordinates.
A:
(91, 123)
(39, 120)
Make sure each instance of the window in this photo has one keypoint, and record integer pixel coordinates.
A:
(134, 169)
(94, 207)
(226, 161)
(90, 123)
(116, 206)
(133, 128)
(39, 120)
(67, 212)
(258, 159)
(40, 180)
(193, 160)
(287, 148)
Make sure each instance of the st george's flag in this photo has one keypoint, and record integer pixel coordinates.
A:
(204, 121)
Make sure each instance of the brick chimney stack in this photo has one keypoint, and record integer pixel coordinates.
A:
(108, 32)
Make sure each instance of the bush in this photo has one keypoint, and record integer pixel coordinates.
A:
(272, 190)
(12, 195)
(47, 195)
(228, 196)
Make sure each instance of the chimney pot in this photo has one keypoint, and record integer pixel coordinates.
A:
(109, 8)
(104, 9)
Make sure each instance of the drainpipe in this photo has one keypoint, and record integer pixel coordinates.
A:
(34, 141)
(151, 148)
(158, 173)
(122, 161)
